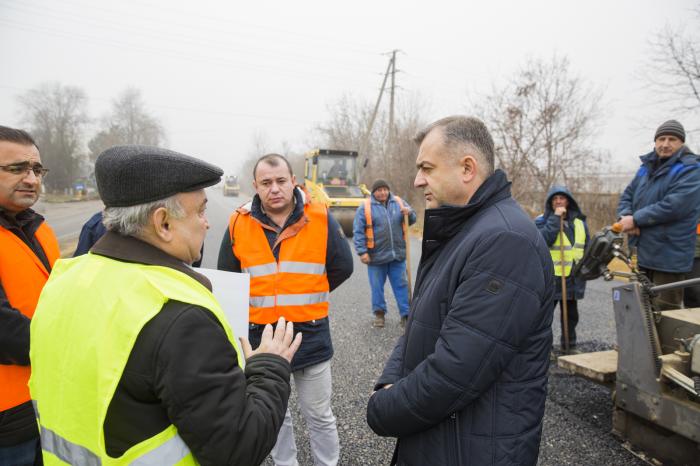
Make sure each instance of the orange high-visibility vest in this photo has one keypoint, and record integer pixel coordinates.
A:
(369, 231)
(23, 276)
(295, 287)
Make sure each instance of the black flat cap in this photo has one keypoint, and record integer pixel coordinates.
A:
(132, 175)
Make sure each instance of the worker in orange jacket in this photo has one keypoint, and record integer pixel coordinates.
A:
(28, 250)
(296, 255)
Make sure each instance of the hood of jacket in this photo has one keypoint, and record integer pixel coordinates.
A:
(573, 210)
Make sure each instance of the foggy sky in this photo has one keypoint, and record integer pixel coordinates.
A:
(219, 73)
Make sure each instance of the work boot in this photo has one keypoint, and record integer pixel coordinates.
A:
(403, 321)
(378, 319)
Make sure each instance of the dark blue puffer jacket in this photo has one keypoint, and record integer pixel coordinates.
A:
(389, 243)
(665, 204)
(548, 224)
(470, 373)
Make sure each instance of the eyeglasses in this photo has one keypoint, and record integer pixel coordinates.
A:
(24, 167)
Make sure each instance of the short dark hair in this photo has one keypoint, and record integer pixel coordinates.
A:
(273, 160)
(19, 136)
(462, 132)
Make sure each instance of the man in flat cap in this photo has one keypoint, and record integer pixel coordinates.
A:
(659, 211)
(379, 235)
(134, 359)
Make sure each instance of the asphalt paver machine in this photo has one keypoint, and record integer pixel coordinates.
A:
(655, 371)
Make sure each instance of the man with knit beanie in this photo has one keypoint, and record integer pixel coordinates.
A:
(380, 241)
(659, 211)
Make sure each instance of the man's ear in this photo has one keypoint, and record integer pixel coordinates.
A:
(160, 224)
(469, 167)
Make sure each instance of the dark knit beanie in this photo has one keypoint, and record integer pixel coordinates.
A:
(380, 184)
(670, 128)
(132, 175)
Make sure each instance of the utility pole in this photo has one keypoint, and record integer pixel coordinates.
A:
(391, 100)
(390, 69)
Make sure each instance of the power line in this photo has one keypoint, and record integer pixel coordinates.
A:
(171, 54)
(197, 40)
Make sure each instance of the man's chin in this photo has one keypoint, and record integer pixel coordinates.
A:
(25, 202)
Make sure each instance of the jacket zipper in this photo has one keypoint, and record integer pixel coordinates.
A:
(391, 233)
(454, 418)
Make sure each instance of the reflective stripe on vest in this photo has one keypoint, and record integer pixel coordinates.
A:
(296, 287)
(23, 276)
(169, 453)
(369, 230)
(67, 451)
(103, 304)
(286, 267)
(571, 253)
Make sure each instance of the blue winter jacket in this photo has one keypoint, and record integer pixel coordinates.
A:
(470, 373)
(389, 243)
(548, 224)
(665, 203)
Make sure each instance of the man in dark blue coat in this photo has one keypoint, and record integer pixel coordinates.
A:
(659, 210)
(467, 382)
(560, 203)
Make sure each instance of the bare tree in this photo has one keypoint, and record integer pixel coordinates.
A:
(128, 122)
(674, 72)
(56, 115)
(543, 120)
(381, 156)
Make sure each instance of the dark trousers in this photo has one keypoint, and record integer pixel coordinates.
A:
(25, 454)
(669, 299)
(572, 317)
(691, 295)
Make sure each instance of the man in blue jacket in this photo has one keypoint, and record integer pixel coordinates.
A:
(467, 382)
(561, 204)
(659, 211)
(380, 241)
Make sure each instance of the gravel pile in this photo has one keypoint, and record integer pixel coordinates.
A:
(578, 413)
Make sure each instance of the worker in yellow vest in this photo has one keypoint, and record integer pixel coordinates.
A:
(134, 360)
(380, 237)
(560, 204)
(28, 250)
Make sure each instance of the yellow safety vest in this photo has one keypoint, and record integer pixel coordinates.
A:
(84, 328)
(571, 253)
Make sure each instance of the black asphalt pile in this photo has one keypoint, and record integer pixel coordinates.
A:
(578, 413)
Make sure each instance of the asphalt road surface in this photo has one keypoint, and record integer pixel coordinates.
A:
(577, 420)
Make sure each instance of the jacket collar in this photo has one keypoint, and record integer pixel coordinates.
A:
(649, 160)
(131, 249)
(27, 221)
(442, 223)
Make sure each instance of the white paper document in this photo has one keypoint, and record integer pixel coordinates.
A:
(232, 290)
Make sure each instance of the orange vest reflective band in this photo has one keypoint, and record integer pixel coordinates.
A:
(23, 276)
(296, 287)
(698, 229)
(369, 231)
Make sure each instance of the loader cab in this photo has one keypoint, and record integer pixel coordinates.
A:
(333, 170)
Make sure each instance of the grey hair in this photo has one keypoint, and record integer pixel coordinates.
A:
(462, 134)
(130, 221)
